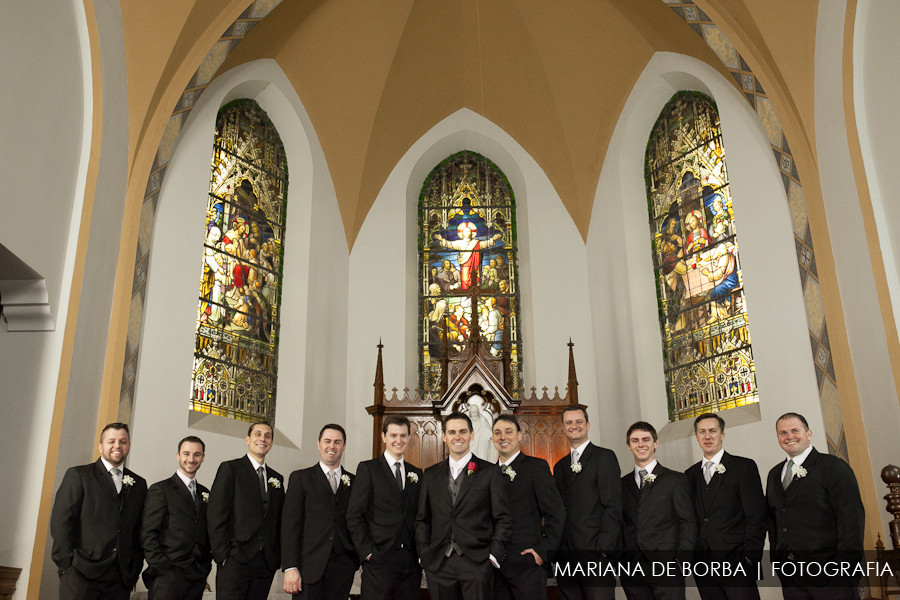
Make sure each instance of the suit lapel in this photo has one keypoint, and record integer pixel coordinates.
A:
(183, 492)
(389, 476)
(251, 475)
(323, 480)
(106, 481)
(716, 481)
(808, 465)
(443, 475)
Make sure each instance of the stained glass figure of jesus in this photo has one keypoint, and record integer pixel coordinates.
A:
(469, 248)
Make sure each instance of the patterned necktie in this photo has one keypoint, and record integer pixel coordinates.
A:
(117, 479)
(642, 473)
(788, 474)
(708, 471)
(398, 476)
(332, 479)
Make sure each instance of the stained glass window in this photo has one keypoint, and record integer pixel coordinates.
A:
(236, 351)
(467, 254)
(707, 355)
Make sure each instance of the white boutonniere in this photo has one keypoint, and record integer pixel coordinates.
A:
(799, 472)
(719, 468)
(205, 497)
(510, 473)
(413, 477)
(129, 480)
(576, 467)
(274, 483)
(345, 479)
(649, 478)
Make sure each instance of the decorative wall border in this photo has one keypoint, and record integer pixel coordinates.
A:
(753, 91)
(229, 40)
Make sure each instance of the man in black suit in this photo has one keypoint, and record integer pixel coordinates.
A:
(316, 546)
(244, 519)
(174, 534)
(463, 523)
(588, 482)
(537, 517)
(731, 513)
(659, 519)
(96, 523)
(381, 515)
(815, 513)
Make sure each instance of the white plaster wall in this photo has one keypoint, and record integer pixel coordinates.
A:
(876, 100)
(43, 165)
(383, 285)
(311, 368)
(861, 310)
(630, 378)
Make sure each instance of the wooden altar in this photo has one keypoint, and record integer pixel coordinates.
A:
(476, 372)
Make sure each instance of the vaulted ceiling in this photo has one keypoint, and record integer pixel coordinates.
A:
(375, 76)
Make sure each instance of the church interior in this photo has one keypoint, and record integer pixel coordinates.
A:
(112, 110)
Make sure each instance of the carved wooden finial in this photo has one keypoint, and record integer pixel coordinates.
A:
(572, 393)
(379, 378)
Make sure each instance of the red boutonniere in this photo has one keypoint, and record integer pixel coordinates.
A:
(471, 467)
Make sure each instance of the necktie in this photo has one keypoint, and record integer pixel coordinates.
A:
(708, 471)
(261, 471)
(642, 473)
(332, 479)
(398, 476)
(574, 456)
(788, 474)
(502, 467)
(117, 478)
(192, 487)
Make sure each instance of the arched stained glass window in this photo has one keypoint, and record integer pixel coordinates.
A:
(467, 249)
(236, 351)
(702, 311)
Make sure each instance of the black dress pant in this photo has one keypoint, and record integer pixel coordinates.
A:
(335, 582)
(530, 584)
(244, 581)
(108, 586)
(461, 578)
(177, 584)
(711, 588)
(395, 575)
(798, 592)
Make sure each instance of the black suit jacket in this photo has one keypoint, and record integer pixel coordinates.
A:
(479, 521)
(731, 513)
(659, 521)
(593, 500)
(313, 517)
(820, 517)
(379, 515)
(93, 526)
(538, 513)
(174, 529)
(238, 521)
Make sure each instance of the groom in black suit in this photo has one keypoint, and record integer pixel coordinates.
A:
(731, 513)
(244, 520)
(381, 515)
(463, 523)
(173, 532)
(96, 522)
(659, 519)
(815, 513)
(588, 482)
(537, 517)
(316, 547)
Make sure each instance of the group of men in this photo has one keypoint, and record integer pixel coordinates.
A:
(478, 529)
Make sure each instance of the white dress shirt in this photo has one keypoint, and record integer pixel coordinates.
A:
(391, 462)
(256, 467)
(637, 470)
(510, 459)
(715, 460)
(185, 479)
(579, 450)
(458, 465)
(798, 461)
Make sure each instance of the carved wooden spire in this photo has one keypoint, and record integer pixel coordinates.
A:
(573, 379)
(379, 378)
